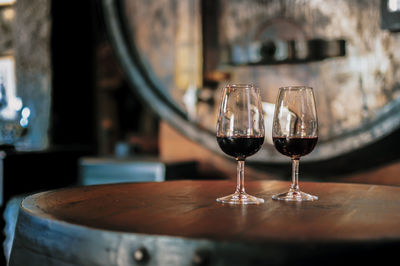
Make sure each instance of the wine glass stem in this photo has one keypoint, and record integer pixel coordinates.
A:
(295, 174)
(240, 177)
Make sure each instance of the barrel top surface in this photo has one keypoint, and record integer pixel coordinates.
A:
(344, 212)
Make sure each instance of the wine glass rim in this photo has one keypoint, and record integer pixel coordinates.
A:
(296, 88)
(241, 85)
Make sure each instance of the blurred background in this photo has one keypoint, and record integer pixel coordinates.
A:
(109, 91)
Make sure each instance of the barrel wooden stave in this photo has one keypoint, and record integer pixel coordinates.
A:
(76, 245)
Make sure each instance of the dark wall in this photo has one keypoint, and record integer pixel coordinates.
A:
(72, 52)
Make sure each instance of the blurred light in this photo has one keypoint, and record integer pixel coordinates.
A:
(26, 112)
(24, 122)
(16, 103)
(7, 2)
(9, 14)
(394, 5)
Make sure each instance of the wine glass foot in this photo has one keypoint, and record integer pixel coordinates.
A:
(295, 195)
(240, 198)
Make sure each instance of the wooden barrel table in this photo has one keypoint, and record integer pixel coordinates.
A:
(180, 223)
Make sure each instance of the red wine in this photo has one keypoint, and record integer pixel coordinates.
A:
(240, 146)
(295, 146)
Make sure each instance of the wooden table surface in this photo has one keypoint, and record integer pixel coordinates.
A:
(180, 223)
(189, 209)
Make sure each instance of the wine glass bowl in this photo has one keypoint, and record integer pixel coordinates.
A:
(295, 133)
(240, 133)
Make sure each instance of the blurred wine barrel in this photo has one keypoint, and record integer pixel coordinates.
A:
(178, 54)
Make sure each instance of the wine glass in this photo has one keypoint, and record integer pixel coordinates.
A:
(240, 133)
(295, 133)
